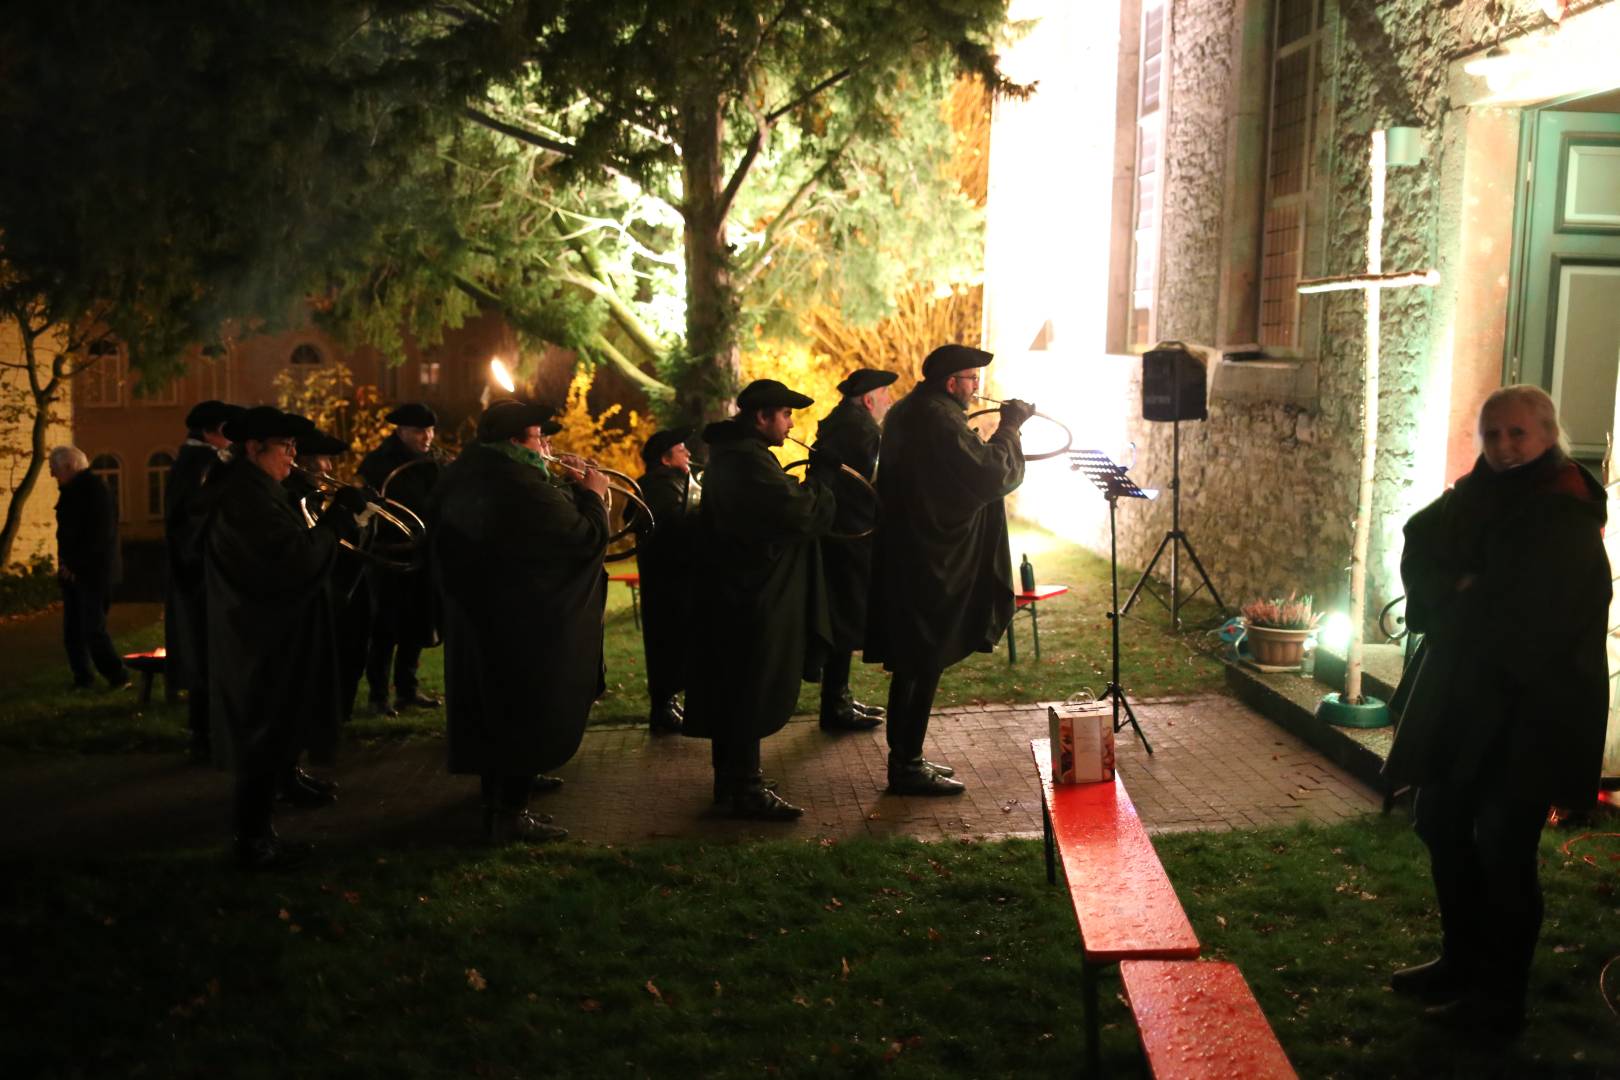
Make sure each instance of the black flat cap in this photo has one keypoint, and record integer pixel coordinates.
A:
(864, 381)
(510, 418)
(949, 359)
(265, 422)
(662, 442)
(319, 442)
(206, 415)
(770, 394)
(413, 414)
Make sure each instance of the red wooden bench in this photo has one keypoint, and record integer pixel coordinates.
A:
(634, 581)
(1199, 1019)
(151, 664)
(1122, 898)
(1030, 601)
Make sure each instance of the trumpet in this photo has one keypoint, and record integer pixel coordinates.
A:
(392, 511)
(1068, 436)
(850, 470)
(618, 484)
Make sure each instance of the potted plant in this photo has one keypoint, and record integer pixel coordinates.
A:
(1276, 629)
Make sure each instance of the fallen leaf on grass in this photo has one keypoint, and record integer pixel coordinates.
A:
(657, 995)
(843, 969)
(475, 980)
(935, 935)
(1222, 920)
(284, 915)
(798, 999)
(590, 1005)
(351, 897)
(834, 904)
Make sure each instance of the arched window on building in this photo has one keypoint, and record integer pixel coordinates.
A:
(111, 471)
(305, 354)
(157, 483)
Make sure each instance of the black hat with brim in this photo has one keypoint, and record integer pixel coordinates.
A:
(207, 415)
(509, 419)
(662, 442)
(319, 442)
(413, 414)
(770, 394)
(864, 381)
(265, 422)
(949, 359)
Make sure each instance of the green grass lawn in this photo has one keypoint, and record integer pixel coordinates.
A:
(775, 959)
(37, 714)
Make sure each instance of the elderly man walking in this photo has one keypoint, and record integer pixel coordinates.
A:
(88, 566)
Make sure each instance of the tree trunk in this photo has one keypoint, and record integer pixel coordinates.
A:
(705, 389)
(43, 396)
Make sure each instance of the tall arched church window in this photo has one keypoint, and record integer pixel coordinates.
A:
(111, 471)
(157, 483)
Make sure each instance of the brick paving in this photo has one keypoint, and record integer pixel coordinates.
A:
(1217, 765)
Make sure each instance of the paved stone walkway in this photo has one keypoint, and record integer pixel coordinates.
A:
(1217, 765)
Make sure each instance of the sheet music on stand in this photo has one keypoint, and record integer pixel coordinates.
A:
(1108, 475)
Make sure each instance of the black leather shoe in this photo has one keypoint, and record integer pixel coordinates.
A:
(381, 709)
(1438, 980)
(763, 804)
(1480, 1014)
(666, 719)
(269, 853)
(847, 718)
(294, 792)
(876, 712)
(523, 828)
(416, 699)
(937, 768)
(723, 791)
(319, 783)
(923, 781)
(545, 784)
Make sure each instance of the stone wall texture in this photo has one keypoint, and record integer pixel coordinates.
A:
(1269, 488)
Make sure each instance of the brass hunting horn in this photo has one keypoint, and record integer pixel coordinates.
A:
(632, 505)
(391, 511)
(850, 470)
(1068, 436)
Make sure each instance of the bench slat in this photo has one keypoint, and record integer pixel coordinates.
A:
(1122, 897)
(1200, 1019)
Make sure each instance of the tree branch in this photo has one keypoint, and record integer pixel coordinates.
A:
(830, 81)
(653, 387)
(519, 133)
(626, 318)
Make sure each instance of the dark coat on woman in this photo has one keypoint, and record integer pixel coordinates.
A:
(518, 565)
(1512, 667)
(403, 600)
(185, 608)
(941, 569)
(764, 606)
(272, 666)
(87, 532)
(851, 434)
(664, 554)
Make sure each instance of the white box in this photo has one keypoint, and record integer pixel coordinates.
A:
(1082, 742)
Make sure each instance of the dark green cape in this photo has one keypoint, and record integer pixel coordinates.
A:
(664, 555)
(761, 605)
(1516, 663)
(185, 606)
(403, 600)
(941, 570)
(852, 434)
(518, 564)
(272, 668)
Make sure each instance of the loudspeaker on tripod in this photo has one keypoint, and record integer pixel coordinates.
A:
(1173, 383)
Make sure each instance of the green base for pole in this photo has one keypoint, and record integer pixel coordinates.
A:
(1371, 714)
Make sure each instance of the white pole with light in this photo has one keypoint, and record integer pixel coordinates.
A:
(1352, 708)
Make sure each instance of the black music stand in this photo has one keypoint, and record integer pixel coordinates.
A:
(1110, 478)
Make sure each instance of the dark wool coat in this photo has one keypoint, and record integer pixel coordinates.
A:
(402, 600)
(941, 570)
(518, 565)
(664, 556)
(851, 434)
(87, 532)
(185, 608)
(763, 605)
(1513, 667)
(272, 667)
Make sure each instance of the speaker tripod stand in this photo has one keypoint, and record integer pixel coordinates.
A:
(1175, 540)
(1111, 480)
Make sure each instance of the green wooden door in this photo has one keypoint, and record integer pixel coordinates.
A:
(1565, 332)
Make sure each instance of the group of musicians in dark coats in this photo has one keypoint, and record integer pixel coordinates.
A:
(785, 569)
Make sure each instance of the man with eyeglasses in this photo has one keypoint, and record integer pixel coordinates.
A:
(942, 571)
(272, 665)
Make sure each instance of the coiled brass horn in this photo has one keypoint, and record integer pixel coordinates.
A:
(633, 509)
(391, 511)
(1068, 436)
(850, 470)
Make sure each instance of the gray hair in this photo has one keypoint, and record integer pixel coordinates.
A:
(69, 455)
(1538, 400)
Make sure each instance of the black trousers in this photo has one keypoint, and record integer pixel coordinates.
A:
(1483, 855)
(354, 648)
(835, 677)
(736, 762)
(911, 699)
(505, 794)
(386, 646)
(84, 634)
(253, 804)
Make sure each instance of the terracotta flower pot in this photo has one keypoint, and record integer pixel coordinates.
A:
(1277, 648)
